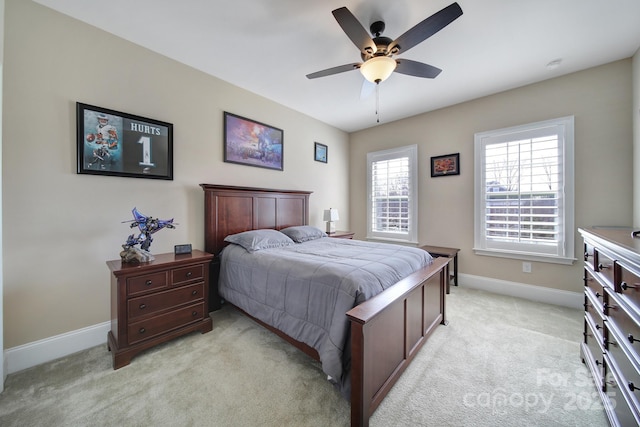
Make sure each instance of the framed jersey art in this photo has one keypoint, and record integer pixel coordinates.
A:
(120, 144)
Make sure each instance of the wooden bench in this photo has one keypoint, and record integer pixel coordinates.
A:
(451, 253)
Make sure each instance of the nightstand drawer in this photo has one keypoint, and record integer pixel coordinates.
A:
(146, 283)
(187, 274)
(143, 330)
(150, 304)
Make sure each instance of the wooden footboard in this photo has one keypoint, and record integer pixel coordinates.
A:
(388, 330)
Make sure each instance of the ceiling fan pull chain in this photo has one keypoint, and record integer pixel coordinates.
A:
(377, 102)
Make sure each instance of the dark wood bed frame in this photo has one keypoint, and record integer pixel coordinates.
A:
(386, 331)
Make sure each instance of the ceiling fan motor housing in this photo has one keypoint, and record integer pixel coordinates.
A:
(381, 42)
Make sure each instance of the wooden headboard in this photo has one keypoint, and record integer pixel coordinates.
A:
(230, 210)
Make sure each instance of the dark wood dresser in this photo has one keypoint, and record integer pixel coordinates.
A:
(611, 345)
(156, 301)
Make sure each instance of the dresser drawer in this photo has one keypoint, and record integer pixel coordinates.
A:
(593, 351)
(594, 316)
(594, 288)
(629, 287)
(157, 302)
(620, 400)
(624, 324)
(187, 274)
(604, 265)
(145, 283)
(626, 370)
(145, 329)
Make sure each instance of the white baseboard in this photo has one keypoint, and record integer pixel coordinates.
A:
(48, 349)
(521, 290)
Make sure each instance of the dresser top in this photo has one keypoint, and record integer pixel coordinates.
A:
(616, 237)
(161, 261)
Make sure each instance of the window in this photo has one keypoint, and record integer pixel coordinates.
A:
(392, 194)
(524, 192)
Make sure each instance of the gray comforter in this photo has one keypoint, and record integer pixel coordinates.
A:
(305, 289)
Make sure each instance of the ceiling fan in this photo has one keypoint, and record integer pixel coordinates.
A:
(377, 53)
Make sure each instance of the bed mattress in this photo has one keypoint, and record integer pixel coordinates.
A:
(305, 289)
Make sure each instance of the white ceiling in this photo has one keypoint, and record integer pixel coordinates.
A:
(268, 47)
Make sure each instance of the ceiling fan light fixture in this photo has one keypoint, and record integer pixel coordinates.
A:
(378, 68)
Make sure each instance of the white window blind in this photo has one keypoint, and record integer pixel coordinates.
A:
(392, 186)
(524, 191)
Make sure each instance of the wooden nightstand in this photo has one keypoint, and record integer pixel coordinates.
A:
(451, 253)
(342, 234)
(156, 301)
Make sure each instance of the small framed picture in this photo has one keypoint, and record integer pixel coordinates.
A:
(320, 152)
(445, 165)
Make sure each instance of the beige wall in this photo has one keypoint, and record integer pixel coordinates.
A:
(600, 100)
(60, 227)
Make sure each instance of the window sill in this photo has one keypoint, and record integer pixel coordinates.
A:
(395, 241)
(525, 256)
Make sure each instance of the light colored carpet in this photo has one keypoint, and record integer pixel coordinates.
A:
(501, 361)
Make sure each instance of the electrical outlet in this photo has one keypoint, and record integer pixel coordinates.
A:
(526, 267)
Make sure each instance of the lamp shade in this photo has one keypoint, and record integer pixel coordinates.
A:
(331, 215)
(378, 68)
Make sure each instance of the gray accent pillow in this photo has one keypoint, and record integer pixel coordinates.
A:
(254, 240)
(303, 233)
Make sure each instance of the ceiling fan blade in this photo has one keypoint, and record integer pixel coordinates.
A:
(417, 69)
(334, 70)
(426, 28)
(367, 89)
(354, 30)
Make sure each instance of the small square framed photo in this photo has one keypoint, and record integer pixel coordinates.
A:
(445, 165)
(320, 152)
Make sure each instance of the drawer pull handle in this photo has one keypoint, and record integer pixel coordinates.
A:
(603, 267)
(143, 306)
(586, 255)
(142, 330)
(194, 292)
(598, 295)
(148, 283)
(632, 386)
(587, 305)
(612, 307)
(189, 274)
(598, 327)
(588, 279)
(624, 286)
(613, 343)
(194, 313)
(631, 338)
